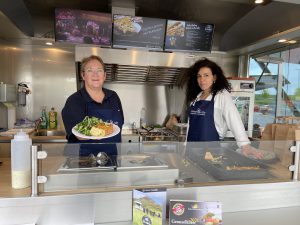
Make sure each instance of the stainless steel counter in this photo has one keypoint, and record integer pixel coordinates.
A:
(259, 204)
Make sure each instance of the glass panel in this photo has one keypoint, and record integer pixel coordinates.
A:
(290, 102)
(284, 75)
(160, 164)
(266, 80)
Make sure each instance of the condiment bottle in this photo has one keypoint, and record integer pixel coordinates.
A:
(52, 119)
(43, 124)
(21, 160)
(143, 122)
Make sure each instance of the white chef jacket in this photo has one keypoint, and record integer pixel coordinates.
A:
(227, 117)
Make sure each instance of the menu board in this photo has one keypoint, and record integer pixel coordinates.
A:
(86, 27)
(143, 32)
(189, 36)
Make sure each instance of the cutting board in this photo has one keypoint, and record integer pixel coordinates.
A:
(12, 132)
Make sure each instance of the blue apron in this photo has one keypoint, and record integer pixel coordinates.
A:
(107, 115)
(201, 122)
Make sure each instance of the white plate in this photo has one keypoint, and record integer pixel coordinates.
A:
(116, 130)
(137, 27)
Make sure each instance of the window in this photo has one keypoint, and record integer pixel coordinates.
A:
(277, 91)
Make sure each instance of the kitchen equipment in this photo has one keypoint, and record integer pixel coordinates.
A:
(104, 162)
(180, 128)
(88, 163)
(7, 92)
(7, 115)
(102, 158)
(157, 135)
(21, 160)
(243, 92)
(140, 162)
(228, 164)
(122, 171)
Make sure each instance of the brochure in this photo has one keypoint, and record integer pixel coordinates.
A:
(149, 206)
(195, 212)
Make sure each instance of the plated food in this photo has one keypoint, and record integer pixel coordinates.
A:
(126, 24)
(176, 29)
(94, 128)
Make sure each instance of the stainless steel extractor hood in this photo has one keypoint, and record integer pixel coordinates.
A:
(143, 66)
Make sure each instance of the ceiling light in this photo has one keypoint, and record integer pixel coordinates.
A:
(292, 42)
(49, 43)
(282, 40)
(259, 1)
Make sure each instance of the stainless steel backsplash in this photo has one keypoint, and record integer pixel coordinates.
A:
(50, 73)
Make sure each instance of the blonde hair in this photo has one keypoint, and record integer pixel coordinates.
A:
(84, 61)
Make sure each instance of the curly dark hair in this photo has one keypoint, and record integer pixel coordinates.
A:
(193, 88)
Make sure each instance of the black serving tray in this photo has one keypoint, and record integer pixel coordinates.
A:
(84, 164)
(229, 158)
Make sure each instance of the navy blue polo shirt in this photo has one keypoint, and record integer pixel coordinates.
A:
(76, 108)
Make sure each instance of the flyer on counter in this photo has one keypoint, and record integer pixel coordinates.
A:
(149, 206)
(195, 212)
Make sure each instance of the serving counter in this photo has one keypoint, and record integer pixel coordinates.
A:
(71, 188)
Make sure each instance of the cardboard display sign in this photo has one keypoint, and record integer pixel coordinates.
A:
(149, 206)
(195, 212)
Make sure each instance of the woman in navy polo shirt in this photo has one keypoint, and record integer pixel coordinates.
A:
(93, 100)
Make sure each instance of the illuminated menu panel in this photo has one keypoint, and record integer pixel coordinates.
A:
(140, 32)
(189, 36)
(83, 27)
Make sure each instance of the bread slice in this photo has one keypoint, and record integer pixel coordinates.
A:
(208, 156)
(106, 127)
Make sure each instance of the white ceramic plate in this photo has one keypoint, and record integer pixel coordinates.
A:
(137, 27)
(116, 130)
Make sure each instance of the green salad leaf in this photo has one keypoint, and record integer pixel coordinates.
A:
(85, 126)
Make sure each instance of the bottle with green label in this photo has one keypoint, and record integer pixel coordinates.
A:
(43, 124)
(52, 119)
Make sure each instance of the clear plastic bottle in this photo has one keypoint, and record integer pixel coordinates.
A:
(21, 160)
(52, 119)
(143, 122)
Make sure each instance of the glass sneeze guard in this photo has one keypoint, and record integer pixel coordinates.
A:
(71, 168)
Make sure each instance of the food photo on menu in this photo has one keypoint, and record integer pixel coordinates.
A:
(141, 32)
(83, 27)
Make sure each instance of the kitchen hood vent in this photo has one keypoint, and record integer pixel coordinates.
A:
(156, 75)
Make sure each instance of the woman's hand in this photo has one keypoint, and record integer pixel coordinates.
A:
(249, 150)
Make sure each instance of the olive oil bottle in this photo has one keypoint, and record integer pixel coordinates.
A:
(52, 119)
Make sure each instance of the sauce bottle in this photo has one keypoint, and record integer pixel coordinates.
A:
(52, 119)
(21, 160)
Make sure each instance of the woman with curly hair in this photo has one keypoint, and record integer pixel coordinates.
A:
(211, 111)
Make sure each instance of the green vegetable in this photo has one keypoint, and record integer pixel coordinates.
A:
(85, 126)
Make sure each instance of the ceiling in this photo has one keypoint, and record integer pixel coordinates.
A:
(238, 23)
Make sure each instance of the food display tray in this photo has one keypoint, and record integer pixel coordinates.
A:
(84, 164)
(139, 161)
(229, 158)
(119, 163)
